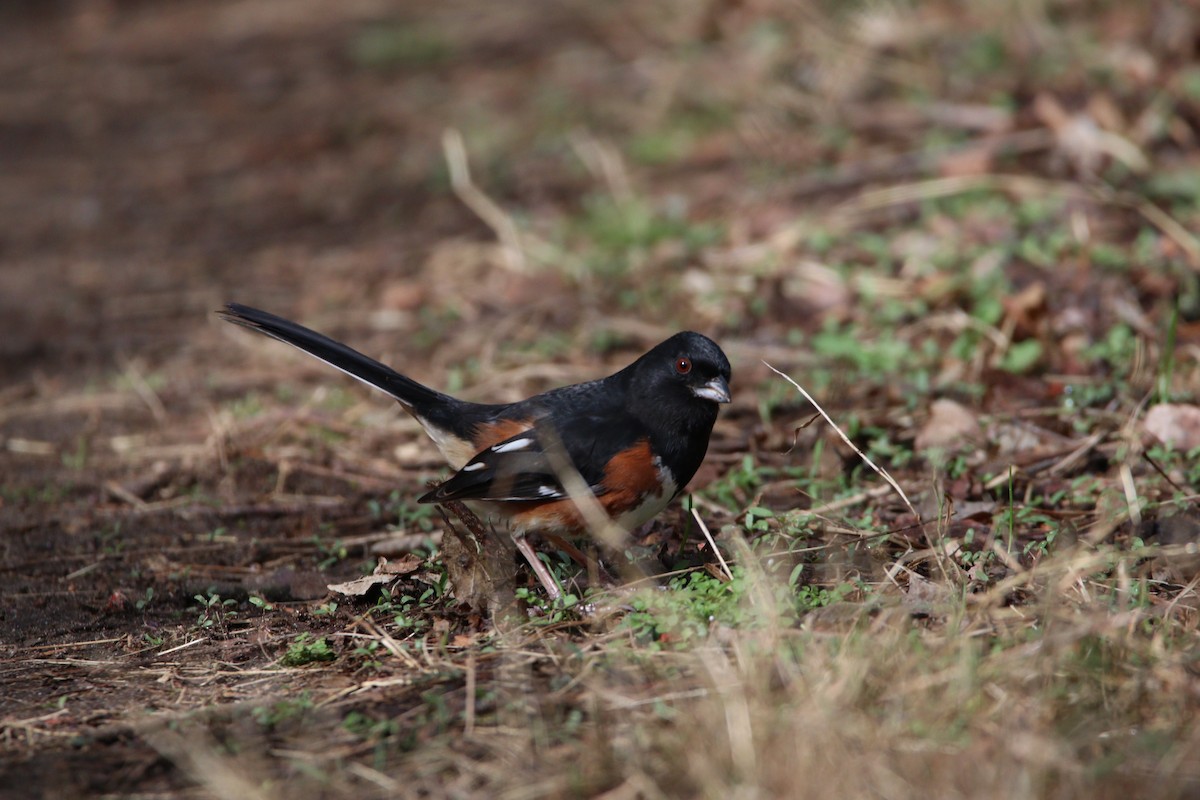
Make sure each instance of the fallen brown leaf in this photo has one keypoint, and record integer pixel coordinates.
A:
(385, 572)
(1174, 424)
(950, 424)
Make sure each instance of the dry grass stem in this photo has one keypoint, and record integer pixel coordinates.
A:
(866, 459)
(712, 543)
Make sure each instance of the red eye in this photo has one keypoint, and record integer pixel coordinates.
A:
(683, 365)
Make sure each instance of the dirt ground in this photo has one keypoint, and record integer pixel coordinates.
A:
(178, 494)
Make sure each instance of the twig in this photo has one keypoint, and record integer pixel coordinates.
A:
(1162, 473)
(121, 493)
(712, 543)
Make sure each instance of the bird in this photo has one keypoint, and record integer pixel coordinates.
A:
(630, 441)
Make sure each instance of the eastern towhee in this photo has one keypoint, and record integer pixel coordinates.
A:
(635, 438)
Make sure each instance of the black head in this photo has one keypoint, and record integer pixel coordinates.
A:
(675, 390)
(687, 370)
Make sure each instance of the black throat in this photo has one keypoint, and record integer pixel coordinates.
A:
(679, 424)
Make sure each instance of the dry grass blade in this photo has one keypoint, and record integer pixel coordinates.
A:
(866, 459)
(145, 391)
(483, 206)
(712, 543)
(876, 199)
(599, 525)
(1025, 185)
(210, 766)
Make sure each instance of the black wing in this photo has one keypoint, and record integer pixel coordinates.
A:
(514, 470)
(523, 468)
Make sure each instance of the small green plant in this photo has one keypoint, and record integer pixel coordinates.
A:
(758, 519)
(379, 732)
(1116, 349)
(260, 603)
(47, 494)
(214, 611)
(306, 649)
(1193, 471)
(810, 596)
(620, 231)
(329, 553)
(976, 560)
(406, 608)
(369, 653)
(1037, 548)
(408, 516)
(77, 459)
(1021, 357)
(247, 407)
(112, 540)
(1166, 366)
(387, 46)
(273, 715)
(144, 600)
(882, 449)
(691, 604)
(772, 397)
(738, 485)
(562, 610)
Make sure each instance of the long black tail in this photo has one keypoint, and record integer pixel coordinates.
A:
(418, 399)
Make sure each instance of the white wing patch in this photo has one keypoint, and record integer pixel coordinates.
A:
(478, 465)
(515, 444)
(549, 491)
